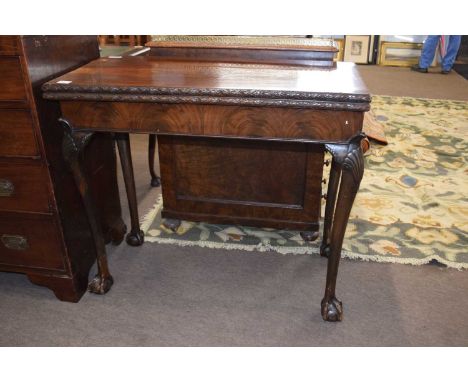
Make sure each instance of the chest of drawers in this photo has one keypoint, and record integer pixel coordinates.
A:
(44, 232)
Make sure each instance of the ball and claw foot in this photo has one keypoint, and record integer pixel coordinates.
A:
(100, 285)
(332, 310)
(172, 224)
(155, 182)
(325, 250)
(309, 236)
(135, 239)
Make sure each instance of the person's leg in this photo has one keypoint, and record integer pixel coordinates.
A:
(451, 55)
(428, 51)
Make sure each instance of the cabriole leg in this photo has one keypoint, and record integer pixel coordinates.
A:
(350, 159)
(333, 181)
(72, 146)
(135, 237)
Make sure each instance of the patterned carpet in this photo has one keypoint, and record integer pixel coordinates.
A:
(412, 205)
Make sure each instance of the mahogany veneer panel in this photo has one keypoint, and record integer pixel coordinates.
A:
(215, 120)
(16, 134)
(11, 80)
(258, 167)
(274, 184)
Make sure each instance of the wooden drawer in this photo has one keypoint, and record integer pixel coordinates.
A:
(11, 80)
(31, 241)
(23, 187)
(9, 45)
(16, 134)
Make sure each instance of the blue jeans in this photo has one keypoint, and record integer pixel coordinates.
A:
(429, 48)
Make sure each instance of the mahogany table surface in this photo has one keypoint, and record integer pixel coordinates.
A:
(153, 75)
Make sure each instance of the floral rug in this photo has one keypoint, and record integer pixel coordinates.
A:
(411, 207)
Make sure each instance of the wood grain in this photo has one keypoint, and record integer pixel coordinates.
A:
(271, 184)
(214, 120)
(9, 45)
(222, 54)
(11, 80)
(16, 134)
(144, 76)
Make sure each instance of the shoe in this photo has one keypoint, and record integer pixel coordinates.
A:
(416, 68)
(445, 71)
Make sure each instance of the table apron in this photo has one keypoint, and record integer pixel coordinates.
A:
(276, 123)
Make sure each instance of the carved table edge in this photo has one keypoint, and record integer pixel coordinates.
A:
(228, 101)
(222, 92)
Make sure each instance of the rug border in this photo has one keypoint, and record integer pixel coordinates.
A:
(418, 98)
(148, 218)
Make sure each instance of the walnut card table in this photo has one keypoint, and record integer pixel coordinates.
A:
(239, 143)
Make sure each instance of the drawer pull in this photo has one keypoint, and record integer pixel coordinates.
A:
(15, 242)
(6, 187)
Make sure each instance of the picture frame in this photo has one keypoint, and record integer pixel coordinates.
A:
(341, 43)
(402, 54)
(399, 53)
(356, 49)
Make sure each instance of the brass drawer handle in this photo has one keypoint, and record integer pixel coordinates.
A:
(6, 187)
(15, 242)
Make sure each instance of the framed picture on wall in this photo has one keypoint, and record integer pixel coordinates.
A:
(357, 49)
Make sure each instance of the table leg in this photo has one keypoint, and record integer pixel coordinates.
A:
(333, 181)
(155, 180)
(348, 160)
(72, 145)
(135, 237)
